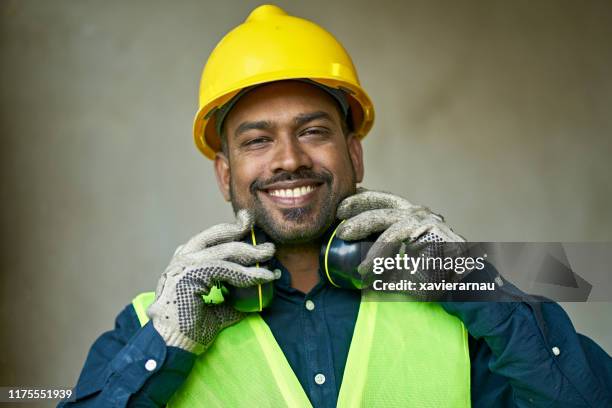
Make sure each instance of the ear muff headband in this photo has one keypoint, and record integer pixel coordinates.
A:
(327, 247)
(260, 295)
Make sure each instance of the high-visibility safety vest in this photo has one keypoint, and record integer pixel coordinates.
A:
(402, 354)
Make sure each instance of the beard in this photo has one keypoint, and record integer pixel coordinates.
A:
(298, 225)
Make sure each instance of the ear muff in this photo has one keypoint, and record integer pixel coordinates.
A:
(339, 260)
(252, 298)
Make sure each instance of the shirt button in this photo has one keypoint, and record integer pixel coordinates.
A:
(556, 351)
(310, 306)
(151, 365)
(320, 379)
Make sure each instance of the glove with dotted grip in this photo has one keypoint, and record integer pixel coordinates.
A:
(399, 221)
(179, 313)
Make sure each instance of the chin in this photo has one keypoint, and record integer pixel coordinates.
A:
(297, 227)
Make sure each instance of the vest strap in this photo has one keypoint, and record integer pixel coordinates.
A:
(141, 303)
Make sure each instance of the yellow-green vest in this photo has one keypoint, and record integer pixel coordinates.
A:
(403, 354)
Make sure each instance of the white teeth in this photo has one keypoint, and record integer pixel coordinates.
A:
(293, 193)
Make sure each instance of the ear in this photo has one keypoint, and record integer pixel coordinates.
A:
(222, 172)
(356, 153)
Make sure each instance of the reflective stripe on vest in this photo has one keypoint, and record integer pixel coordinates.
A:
(401, 354)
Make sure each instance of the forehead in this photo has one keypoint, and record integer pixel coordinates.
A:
(281, 100)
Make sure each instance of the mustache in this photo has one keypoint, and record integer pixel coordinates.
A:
(323, 176)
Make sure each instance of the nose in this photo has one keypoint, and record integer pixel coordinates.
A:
(289, 155)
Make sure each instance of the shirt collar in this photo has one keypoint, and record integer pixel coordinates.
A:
(284, 282)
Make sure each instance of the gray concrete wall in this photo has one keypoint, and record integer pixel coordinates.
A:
(495, 114)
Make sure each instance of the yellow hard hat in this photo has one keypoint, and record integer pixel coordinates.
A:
(273, 46)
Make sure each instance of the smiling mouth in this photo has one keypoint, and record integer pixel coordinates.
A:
(292, 194)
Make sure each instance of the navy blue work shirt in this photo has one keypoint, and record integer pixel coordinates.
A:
(523, 352)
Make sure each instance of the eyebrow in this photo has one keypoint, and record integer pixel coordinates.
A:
(304, 118)
(299, 120)
(258, 125)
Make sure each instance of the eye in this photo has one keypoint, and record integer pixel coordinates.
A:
(255, 142)
(314, 131)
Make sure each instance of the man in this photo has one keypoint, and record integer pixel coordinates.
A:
(282, 114)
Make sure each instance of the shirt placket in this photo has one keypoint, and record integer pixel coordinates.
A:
(319, 361)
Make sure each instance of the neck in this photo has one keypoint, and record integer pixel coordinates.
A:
(302, 262)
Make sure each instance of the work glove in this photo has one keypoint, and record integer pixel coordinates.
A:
(400, 222)
(179, 313)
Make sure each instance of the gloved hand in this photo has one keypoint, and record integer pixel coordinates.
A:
(179, 313)
(400, 221)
